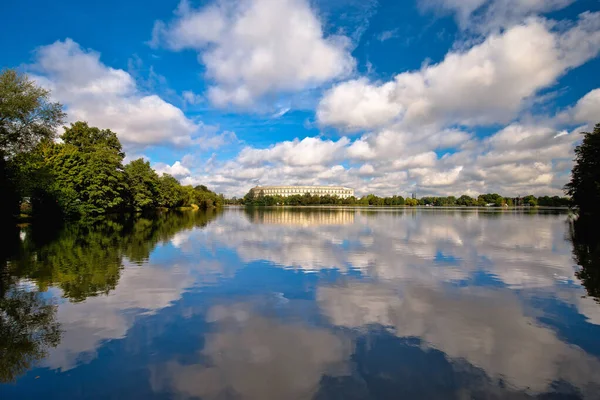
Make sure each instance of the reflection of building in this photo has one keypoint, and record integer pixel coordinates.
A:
(285, 191)
(286, 217)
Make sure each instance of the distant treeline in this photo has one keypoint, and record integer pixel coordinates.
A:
(484, 200)
(82, 174)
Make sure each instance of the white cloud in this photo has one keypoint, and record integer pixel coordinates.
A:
(109, 98)
(491, 15)
(587, 108)
(177, 169)
(486, 84)
(358, 104)
(252, 48)
(191, 98)
(387, 35)
(305, 152)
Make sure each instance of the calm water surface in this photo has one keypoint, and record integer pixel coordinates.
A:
(301, 304)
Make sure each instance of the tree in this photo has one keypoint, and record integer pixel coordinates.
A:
(530, 200)
(465, 200)
(26, 113)
(171, 193)
(143, 184)
(26, 117)
(584, 187)
(88, 171)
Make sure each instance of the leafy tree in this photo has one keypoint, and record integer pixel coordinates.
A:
(26, 113)
(171, 193)
(584, 187)
(465, 200)
(143, 183)
(530, 200)
(88, 172)
(26, 117)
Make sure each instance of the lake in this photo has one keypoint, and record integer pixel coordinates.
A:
(302, 304)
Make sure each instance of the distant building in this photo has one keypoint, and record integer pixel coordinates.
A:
(285, 191)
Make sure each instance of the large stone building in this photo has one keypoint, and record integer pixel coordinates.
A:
(285, 191)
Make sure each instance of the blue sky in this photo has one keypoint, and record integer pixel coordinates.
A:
(391, 97)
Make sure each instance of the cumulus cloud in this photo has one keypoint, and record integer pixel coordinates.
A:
(489, 15)
(305, 152)
(177, 169)
(486, 84)
(517, 160)
(252, 48)
(587, 109)
(110, 98)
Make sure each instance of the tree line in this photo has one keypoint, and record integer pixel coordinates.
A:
(82, 173)
(484, 200)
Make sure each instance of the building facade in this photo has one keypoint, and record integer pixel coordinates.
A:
(285, 191)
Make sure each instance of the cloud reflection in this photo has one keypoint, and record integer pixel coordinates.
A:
(489, 329)
(251, 356)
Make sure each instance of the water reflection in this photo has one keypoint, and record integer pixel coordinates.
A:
(28, 328)
(324, 304)
(256, 357)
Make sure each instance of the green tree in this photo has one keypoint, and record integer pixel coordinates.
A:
(88, 170)
(465, 200)
(26, 113)
(171, 192)
(530, 200)
(584, 187)
(143, 184)
(27, 116)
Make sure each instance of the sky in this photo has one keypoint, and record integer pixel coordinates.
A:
(434, 97)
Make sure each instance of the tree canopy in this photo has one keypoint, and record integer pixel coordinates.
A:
(26, 113)
(584, 187)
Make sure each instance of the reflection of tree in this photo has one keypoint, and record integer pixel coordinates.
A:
(27, 330)
(85, 258)
(586, 251)
(144, 233)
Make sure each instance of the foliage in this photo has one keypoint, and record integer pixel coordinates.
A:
(26, 117)
(584, 187)
(28, 328)
(484, 200)
(171, 193)
(84, 259)
(87, 170)
(26, 113)
(143, 184)
(205, 198)
(586, 252)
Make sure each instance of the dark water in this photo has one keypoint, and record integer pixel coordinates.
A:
(302, 304)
